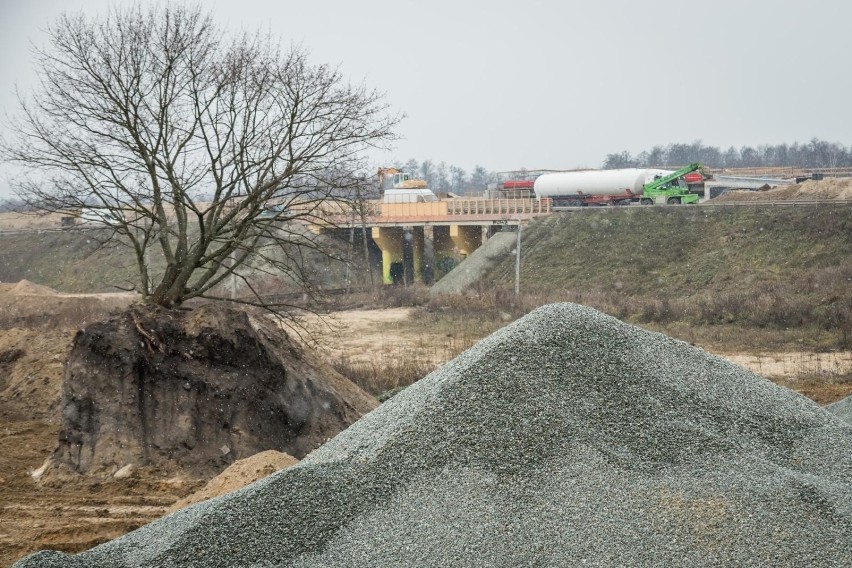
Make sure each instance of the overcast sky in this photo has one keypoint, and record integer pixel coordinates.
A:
(549, 84)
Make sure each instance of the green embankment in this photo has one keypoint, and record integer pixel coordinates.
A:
(69, 261)
(76, 261)
(774, 268)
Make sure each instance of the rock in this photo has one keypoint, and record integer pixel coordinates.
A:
(124, 472)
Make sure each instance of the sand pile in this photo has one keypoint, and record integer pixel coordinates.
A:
(31, 372)
(238, 475)
(567, 438)
(27, 288)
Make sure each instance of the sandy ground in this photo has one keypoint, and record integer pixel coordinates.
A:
(78, 514)
(804, 364)
(363, 335)
(30, 221)
(822, 377)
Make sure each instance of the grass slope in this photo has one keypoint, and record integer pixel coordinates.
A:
(68, 261)
(769, 268)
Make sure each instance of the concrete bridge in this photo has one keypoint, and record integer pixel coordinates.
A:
(410, 237)
(455, 228)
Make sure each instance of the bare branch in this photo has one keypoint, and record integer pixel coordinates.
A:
(214, 150)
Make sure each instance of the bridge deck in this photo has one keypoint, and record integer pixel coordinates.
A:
(447, 212)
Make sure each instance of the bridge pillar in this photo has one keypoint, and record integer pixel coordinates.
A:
(402, 253)
(450, 244)
(390, 242)
(466, 238)
(444, 258)
(417, 241)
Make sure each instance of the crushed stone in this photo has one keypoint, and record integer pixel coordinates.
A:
(566, 438)
(842, 409)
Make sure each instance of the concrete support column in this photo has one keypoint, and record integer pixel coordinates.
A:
(466, 238)
(417, 240)
(442, 251)
(389, 240)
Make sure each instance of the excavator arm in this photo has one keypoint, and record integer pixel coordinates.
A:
(670, 189)
(401, 180)
(665, 181)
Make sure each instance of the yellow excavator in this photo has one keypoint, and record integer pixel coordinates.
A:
(400, 180)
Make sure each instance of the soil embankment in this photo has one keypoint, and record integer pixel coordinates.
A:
(830, 188)
(195, 391)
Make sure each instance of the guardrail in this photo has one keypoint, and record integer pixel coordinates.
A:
(713, 203)
(508, 207)
(779, 203)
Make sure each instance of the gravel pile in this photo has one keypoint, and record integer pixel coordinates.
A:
(567, 438)
(842, 409)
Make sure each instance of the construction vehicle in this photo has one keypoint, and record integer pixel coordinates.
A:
(616, 187)
(670, 188)
(399, 180)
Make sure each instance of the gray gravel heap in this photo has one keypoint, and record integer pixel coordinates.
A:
(842, 409)
(567, 438)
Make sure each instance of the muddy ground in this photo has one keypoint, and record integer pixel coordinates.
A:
(36, 333)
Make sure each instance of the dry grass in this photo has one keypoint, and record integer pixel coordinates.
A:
(799, 358)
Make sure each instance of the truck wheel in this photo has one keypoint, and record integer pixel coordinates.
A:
(673, 201)
(647, 201)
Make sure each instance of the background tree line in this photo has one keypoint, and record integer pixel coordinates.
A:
(814, 154)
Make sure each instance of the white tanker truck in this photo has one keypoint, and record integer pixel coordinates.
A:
(616, 187)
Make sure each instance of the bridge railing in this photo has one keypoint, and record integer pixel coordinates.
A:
(503, 207)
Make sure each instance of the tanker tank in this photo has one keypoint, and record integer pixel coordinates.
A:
(579, 186)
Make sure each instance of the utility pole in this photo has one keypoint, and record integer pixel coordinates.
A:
(518, 261)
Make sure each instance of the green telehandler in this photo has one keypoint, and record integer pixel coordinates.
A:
(670, 189)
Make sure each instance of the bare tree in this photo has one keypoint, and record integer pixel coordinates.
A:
(619, 160)
(427, 172)
(479, 178)
(211, 148)
(457, 179)
(442, 177)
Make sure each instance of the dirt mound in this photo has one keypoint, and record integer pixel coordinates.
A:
(194, 392)
(832, 188)
(27, 288)
(567, 437)
(53, 311)
(31, 373)
(238, 475)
